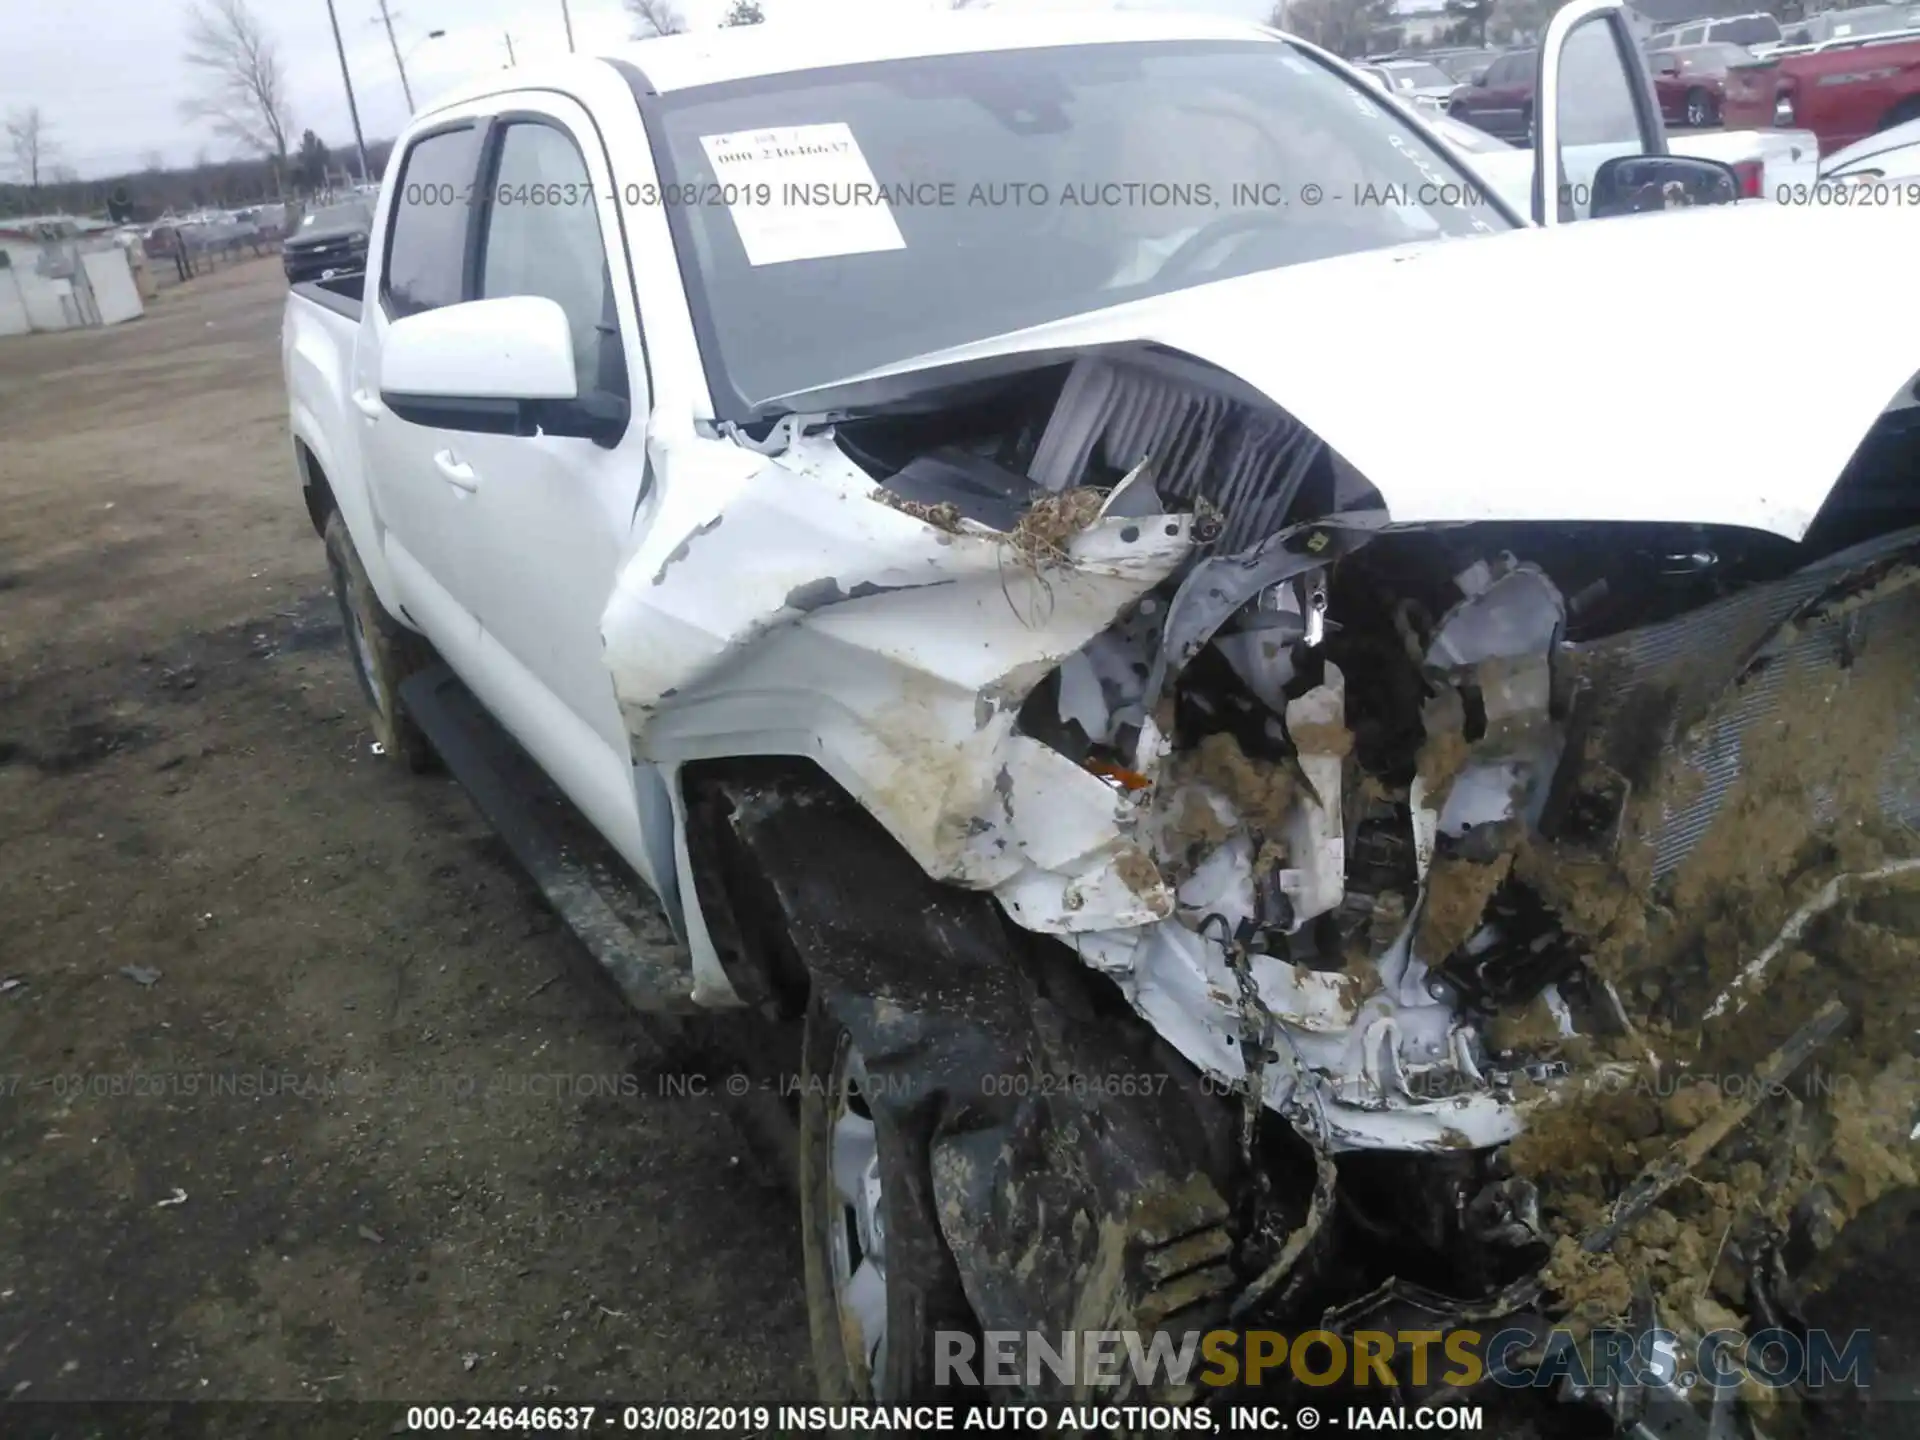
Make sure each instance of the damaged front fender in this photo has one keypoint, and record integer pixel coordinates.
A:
(801, 618)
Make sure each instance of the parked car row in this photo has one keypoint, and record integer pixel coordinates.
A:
(1690, 83)
(204, 230)
(1842, 91)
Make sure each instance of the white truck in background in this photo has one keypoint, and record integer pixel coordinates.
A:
(1005, 646)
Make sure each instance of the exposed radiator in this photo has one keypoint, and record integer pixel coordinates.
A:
(1708, 684)
(1248, 461)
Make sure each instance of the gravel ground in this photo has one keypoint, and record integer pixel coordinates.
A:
(303, 1092)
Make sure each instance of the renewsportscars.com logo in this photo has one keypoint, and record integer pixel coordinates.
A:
(1515, 1358)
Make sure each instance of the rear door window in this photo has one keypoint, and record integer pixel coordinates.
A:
(425, 265)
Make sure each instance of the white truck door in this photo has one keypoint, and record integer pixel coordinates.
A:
(549, 518)
(424, 505)
(1595, 101)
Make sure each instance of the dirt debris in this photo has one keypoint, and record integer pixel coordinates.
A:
(1262, 792)
(1326, 738)
(1458, 890)
(1137, 872)
(1526, 1029)
(1443, 754)
(1804, 809)
(1052, 520)
(1196, 825)
(1593, 1288)
(942, 515)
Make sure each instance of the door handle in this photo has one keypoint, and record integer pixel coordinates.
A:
(368, 404)
(458, 475)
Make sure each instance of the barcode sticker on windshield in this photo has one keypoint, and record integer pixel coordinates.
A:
(763, 173)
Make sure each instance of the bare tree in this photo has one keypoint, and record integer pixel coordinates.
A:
(656, 17)
(243, 88)
(1346, 27)
(32, 147)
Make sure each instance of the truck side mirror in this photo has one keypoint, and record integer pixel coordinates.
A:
(495, 367)
(1635, 184)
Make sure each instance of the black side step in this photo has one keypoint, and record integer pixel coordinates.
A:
(637, 949)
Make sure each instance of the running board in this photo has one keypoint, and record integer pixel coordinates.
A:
(637, 950)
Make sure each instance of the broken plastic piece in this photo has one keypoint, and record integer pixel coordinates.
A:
(1129, 780)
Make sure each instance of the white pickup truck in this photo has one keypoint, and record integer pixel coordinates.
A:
(943, 505)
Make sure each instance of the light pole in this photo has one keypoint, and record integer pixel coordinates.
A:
(567, 15)
(346, 79)
(401, 61)
(510, 60)
(385, 17)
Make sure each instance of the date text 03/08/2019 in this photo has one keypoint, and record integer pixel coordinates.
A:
(734, 1420)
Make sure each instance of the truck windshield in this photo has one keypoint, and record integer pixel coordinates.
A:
(831, 222)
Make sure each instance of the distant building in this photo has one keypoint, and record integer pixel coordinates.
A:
(1646, 16)
(1421, 22)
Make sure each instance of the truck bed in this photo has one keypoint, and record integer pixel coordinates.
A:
(341, 294)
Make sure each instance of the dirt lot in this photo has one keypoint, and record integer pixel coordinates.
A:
(462, 1180)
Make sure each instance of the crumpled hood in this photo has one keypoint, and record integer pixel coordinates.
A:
(1562, 399)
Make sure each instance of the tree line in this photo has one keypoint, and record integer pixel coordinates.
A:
(238, 94)
(156, 189)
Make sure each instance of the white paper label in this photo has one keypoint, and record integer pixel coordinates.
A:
(782, 164)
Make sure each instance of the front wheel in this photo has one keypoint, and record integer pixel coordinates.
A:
(1699, 108)
(382, 651)
(881, 1284)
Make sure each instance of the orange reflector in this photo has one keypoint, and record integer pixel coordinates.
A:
(1125, 779)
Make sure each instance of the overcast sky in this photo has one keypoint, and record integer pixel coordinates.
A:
(107, 73)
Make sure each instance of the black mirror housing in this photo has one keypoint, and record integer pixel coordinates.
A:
(1636, 184)
(601, 418)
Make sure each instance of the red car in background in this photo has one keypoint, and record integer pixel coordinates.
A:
(1691, 81)
(1499, 99)
(1842, 91)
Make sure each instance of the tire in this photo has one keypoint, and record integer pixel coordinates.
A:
(1699, 110)
(383, 652)
(913, 1282)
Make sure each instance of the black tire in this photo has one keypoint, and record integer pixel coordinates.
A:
(1699, 111)
(922, 1285)
(382, 651)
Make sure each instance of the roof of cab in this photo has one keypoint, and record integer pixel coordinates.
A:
(741, 52)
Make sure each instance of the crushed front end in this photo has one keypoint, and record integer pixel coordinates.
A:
(1484, 863)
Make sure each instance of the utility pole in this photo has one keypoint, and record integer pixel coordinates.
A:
(510, 60)
(567, 15)
(386, 18)
(353, 107)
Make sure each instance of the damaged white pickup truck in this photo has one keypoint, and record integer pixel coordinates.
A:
(1250, 829)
